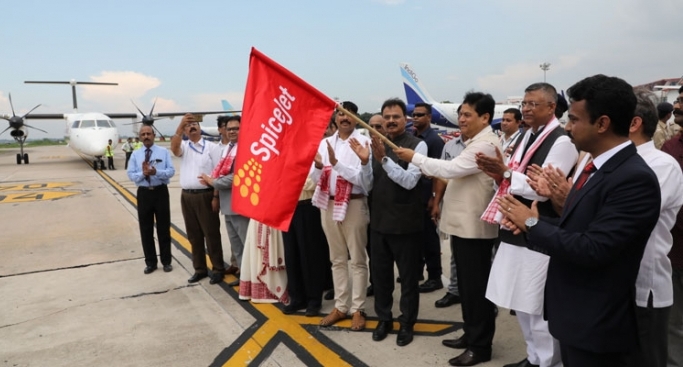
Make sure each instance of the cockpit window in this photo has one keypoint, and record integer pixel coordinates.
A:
(111, 122)
(87, 123)
(103, 123)
(75, 124)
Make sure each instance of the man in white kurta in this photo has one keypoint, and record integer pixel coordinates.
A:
(518, 275)
(654, 288)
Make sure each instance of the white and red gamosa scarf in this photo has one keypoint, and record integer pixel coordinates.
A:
(517, 164)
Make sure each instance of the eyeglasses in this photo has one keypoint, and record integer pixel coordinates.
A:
(679, 100)
(232, 129)
(419, 114)
(532, 105)
(376, 127)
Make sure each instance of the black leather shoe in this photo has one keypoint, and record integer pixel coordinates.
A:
(447, 300)
(460, 343)
(293, 307)
(383, 328)
(405, 335)
(149, 269)
(469, 358)
(312, 310)
(329, 295)
(197, 277)
(523, 363)
(370, 292)
(217, 277)
(234, 283)
(168, 268)
(431, 285)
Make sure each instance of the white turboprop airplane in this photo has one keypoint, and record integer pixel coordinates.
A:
(444, 115)
(87, 133)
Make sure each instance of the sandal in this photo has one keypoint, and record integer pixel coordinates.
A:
(358, 321)
(332, 318)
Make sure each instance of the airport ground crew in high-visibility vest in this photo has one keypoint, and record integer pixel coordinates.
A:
(109, 153)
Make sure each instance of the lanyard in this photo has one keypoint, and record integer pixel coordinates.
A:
(195, 149)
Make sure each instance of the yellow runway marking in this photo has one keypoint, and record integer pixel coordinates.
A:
(35, 186)
(35, 196)
(277, 322)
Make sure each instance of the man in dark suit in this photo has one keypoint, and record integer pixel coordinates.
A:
(596, 246)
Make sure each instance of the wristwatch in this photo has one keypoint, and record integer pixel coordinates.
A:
(530, 222)
(507, 175)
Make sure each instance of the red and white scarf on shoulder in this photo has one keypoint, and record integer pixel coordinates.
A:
(321, 196)
(516, 164)
(224, 167)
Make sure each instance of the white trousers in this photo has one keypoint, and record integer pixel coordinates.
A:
(348, 238)
(542, 349)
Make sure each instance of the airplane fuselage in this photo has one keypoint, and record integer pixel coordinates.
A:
(89, 133)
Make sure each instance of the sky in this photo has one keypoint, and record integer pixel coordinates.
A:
(188, 55)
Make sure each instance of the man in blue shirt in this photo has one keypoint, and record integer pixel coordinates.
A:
(151, 169)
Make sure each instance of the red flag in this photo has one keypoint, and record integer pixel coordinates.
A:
(283, 120)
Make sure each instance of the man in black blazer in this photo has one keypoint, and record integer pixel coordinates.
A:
(596, 246)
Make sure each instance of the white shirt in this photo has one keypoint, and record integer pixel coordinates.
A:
(407, 178)
(655, 267)
(462, 165)
(348, 164)
(562, 155)
(197, 158)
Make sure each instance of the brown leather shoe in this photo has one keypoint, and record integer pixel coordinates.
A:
(232, 270)
(358, 321)
(332, 318)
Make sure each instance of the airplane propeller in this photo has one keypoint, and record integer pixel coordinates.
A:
(147, 120)
(17, 122)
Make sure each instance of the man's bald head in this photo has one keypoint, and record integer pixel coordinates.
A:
(377, 122)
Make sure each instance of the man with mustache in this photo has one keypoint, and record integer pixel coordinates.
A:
(518, 274)
(221, 180)
(396, 225)
(343, 176)
(199, 156)
(597, 244)
(675, 147)
(151, 170)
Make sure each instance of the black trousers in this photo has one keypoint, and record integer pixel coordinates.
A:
(128, 154)
(404, 249)
(473, 264)
(110, 163)
(154, 205)
(431, 247)
(202, 223)
(307, 256)
(653, 326)
(575, 357)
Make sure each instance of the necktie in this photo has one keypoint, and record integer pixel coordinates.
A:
(587, 171)
(148, 155)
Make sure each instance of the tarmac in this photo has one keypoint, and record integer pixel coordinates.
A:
(73, 292)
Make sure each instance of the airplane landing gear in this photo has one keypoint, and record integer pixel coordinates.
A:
(98, 163)
(21, 156)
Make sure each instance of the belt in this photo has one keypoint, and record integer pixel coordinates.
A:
(353, 196)
(197, 191)
(152, 188)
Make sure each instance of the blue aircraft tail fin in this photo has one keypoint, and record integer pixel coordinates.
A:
(415, 91)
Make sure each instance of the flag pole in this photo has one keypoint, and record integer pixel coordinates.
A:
(373, 131)
(368, 127)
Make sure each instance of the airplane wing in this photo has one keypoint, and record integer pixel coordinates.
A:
(45, 116)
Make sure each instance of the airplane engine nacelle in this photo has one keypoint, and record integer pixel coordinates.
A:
(19, 133)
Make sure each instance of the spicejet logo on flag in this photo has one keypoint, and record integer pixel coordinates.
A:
(283, 120)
